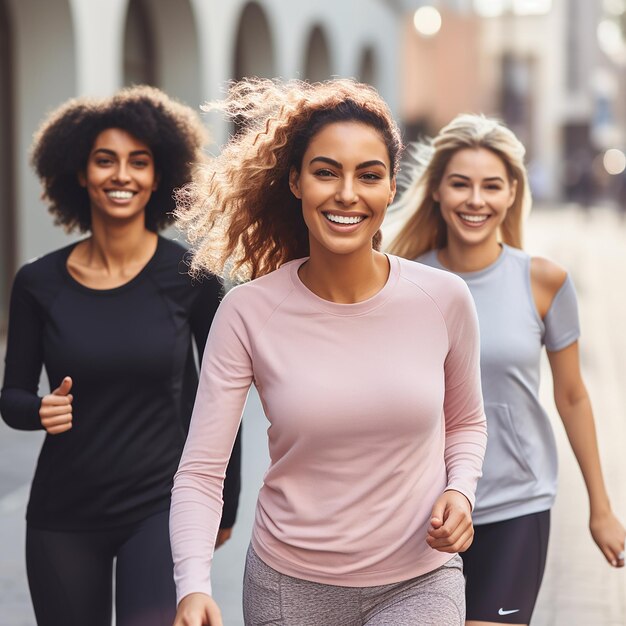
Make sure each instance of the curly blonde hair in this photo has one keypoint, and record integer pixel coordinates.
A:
(425, 229)
(238, 212)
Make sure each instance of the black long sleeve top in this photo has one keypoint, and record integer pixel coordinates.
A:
(129, 352)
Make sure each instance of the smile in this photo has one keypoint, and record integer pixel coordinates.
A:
(473, 219)
(344, 219)
(120, 195)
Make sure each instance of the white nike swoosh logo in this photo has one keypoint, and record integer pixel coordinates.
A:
(503, 612)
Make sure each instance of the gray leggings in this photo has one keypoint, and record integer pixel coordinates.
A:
(274, 599)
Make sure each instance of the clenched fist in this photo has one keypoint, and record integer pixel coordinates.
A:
(55, 411)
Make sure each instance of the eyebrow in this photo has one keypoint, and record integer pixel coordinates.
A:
(490, 178)
(113, 153)
(339, 166)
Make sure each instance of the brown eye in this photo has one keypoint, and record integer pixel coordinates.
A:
(324, 173)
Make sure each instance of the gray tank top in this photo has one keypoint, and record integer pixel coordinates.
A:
(520, 468)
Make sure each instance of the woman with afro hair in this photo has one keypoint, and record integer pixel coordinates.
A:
(113, 319)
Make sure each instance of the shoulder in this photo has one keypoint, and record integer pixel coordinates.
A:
(547, 274)
(261, 296)
(445, 290)
(429, 258)
(546, 279)
(43, 269)
(172, 247)
(172, 253)
(172, 268)
(439, 283)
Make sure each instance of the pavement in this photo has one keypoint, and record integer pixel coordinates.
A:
(579, 588)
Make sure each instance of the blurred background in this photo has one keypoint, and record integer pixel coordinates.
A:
(553, 70)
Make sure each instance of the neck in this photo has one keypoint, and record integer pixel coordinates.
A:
(117, 245)
(462, 258)
(345, 278)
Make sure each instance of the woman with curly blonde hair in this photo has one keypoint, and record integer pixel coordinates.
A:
(468, 194)
(366, 365)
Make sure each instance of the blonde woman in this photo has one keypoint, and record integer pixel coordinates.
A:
(368, 496)
(468, 195)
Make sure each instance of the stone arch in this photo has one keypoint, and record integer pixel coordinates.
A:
(140, 61)
(367, 67)
(317, 64)
(254, 48)
(161, 48)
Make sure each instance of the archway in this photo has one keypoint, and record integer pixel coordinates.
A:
(367, 69)
(140, 62)
(254, 51)
(317, 63)
(161, 48)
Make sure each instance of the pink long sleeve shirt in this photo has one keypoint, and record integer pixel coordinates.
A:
(375, 409)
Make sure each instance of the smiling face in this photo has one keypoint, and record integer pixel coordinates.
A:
(474, 195)
(119, 177)
(345, 186)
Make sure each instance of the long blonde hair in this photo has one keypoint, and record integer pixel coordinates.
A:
(425, 229)
(238, 212)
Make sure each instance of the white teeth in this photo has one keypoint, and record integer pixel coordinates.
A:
(342, 219)
(473, 218)
(120, 195)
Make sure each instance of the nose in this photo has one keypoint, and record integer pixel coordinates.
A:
(121, 174)
(346, 193)
(475, 199)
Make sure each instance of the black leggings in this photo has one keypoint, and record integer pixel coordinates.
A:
(70, 575)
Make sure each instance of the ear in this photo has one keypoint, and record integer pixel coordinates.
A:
(82, 179)
(392, 195)
(513, 193)
(157, 181)
(436, 195)
(294, 183)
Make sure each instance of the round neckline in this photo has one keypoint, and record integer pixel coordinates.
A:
(478, 273)
(354, 308)
(112, 290)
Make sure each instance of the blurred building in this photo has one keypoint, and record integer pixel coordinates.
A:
(55, 49)
(553, 70)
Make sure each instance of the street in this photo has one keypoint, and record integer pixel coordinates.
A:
(579, 588)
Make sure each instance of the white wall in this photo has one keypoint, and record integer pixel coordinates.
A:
(44, 77)
(65, 48)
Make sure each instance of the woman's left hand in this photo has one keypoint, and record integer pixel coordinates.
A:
(223, 535)
(609, 535)
(451, 523)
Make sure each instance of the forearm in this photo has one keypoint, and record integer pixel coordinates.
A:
(465, 444)
(577, 417)
(20, 408)
(194, 519)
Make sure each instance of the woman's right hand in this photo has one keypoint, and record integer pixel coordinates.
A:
(198, 609)
(55, 411)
